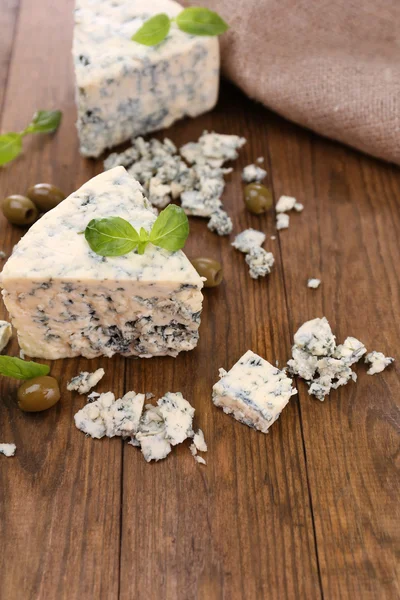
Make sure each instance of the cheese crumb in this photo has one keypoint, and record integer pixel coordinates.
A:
(8, 449)
(285, 203)
(313, 283)
(85, 381)
(282, 221)
(378, 362)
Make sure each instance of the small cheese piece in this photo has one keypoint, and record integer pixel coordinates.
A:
(213, 149)
(178, 417)
(220, 222)
(248, 239)
(260, 262)
(199, 441)
(85, 381)
(8, 449)
(285, 203)
(253, 173)
(124, 88)
(253, 392)
(298, 207)
(315, 337)
(151, 435)
(65, 300)
(302, 363)
(109, 417)
(196, 204)
(378, 362)
(282, 221)
(5, 334)
(350, 351)
(313, 283)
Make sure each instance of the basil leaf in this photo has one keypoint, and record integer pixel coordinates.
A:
(201, 21)
(144, 240)
(10, 147)
(171, 229)
(11, 366)
(153, 31)
(111, 236)
(44, 121)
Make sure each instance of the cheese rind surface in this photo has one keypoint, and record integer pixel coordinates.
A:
(65, 300)
(253, 392)
(125, 89)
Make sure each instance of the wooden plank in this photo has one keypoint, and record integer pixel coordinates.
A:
(61, 494)
(240, 527)
(8, 23)
(347, 236)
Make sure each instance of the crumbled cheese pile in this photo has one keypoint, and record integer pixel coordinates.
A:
(259, 260)
(8, 449)
(283, 206)
(155, 429)
(324, 365)
(166, 177)
(85, 381)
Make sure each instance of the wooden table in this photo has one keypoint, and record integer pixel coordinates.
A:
(309, 510)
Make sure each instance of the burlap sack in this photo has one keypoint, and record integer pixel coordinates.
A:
(331, 65)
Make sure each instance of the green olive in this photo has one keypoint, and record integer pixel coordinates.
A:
(45, 196)
(39, 393)
(210, 269)
(19, 210)
(258, 198)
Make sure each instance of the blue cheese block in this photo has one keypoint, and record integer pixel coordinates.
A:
(65, 300)
(125, 89)
(253, 392)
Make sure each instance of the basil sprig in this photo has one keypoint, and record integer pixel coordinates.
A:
(194, 20)
(43, 121)
(113, 236)
(11, 366)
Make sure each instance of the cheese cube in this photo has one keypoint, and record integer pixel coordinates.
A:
(253, 391)
(125, 89)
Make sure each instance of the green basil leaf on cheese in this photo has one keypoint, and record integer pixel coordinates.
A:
(171, 229)
(11, 366)
(10, 147)
(144, 240)
(111, 236)
(201, 21)
(153, 31)
(44, 121)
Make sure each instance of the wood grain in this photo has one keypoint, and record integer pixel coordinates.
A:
(241, 526)
(347, 236)
(308, 511)
(61, 494)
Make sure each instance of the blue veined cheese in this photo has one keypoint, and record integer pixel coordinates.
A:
(260, 262)
(109, 417)
(85, 381)
(253, 391)
(220, 222)
(316, 337)
(248, 239)
(378, 362)
(282, 221)
(5, 334)
(125, 89)
(65, 300)
(8, 449)
(212, 149)
(285, 203)
(178, 417)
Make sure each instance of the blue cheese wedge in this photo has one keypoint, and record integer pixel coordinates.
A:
(65, 300)
(8, 449)
(5, 334)
(248, 239)
(124, 88)
(378, 362)
(253, 173)
(254, 392)
(85, 381)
